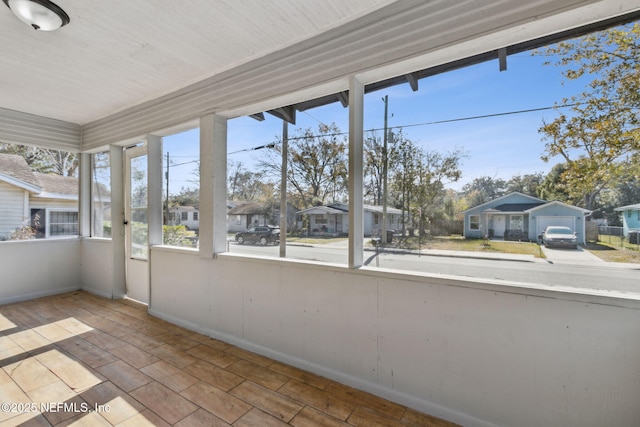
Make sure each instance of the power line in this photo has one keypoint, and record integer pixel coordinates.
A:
(437, 122)
(181, 164)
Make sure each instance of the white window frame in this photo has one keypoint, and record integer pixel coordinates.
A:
(512, 218)
(93, 200)
(471, 222)
(47, 228)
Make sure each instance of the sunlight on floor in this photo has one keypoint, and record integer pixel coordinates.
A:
(42, 379)
(5, 323)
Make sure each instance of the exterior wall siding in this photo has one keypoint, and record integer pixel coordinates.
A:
(12, 213)
(630, 221)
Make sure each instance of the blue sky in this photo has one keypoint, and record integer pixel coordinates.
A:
(499, 147)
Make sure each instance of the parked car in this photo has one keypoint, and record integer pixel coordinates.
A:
(560, 237)
(262, 234)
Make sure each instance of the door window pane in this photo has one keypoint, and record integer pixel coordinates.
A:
(101, 195)
(139, 224)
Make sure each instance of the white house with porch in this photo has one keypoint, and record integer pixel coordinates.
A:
(185, 215)
(333, 219)
(517, 216)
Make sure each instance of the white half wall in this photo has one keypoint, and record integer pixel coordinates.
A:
(37, 268)
(473, 353)
(97, 268)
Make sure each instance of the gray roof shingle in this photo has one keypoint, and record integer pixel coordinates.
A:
(58, 184)
(16, 167)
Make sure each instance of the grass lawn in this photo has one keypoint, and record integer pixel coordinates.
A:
(614, 252)
(315, 240)
(610, 251)
(457, 243)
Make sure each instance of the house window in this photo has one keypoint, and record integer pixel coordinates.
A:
(39, 222)
(376, 219)
(63, 223)
(184, 216)
(516, 222)
(54, 223)
(195, 216)
(238, 219)
(320, 219)
(474, 222)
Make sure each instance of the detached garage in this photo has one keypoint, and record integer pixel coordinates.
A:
(518, 216)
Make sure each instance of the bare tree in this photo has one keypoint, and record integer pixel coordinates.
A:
(44, 160)
(317, 164)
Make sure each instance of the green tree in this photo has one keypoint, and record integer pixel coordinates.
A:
(417, 179)
(525, 184)
(434, 170)
(373, 167)
(600, 132)
(553, 186)
(403, 183)
(483, 189)
(186, 197)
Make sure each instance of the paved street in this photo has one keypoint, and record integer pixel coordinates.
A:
(561, 268)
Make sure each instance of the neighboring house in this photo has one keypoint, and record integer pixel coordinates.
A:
(630, 218)
(333, 219)
(49, 203)
(246, 215)
(517, 216)
(189, 216)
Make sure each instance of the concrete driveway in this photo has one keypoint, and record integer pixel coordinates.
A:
(578, 256)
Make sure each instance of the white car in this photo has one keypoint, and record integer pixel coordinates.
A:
(558, 236)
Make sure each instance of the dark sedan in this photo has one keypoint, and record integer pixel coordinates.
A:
(262, 234)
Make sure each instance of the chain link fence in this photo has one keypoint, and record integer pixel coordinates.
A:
(615, 236)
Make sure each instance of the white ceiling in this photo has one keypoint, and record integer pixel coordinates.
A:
(122, 67)
(115, 54)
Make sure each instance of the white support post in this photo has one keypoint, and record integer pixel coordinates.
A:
(283, 190)
(356, 173)
(117, 217)
(154, 168)
(84, 201)
(213, 185)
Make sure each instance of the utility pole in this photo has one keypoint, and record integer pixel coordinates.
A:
(166, 175)
(385, 161)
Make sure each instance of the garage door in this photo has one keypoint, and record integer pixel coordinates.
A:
(564, 221)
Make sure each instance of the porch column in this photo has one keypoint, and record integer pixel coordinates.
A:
(154, 167)
(84, 199)
(356, 173)
(213, 185)
(117, 218)
(283, 190)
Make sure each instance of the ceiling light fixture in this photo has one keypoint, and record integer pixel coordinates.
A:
(39, 14)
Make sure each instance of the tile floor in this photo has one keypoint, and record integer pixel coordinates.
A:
(77, 359)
